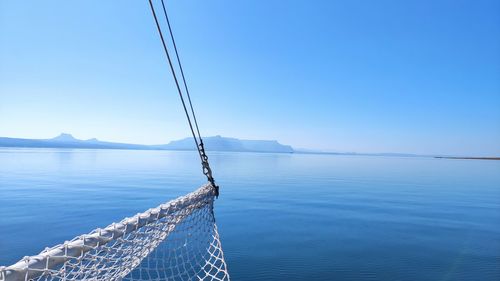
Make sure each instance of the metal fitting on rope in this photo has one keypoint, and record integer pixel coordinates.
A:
(207, 171)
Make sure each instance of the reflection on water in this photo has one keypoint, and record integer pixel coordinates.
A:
(281, 216)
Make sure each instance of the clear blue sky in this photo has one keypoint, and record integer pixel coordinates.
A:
(367, 76)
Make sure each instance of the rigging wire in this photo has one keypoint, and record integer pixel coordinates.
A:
(181, 69)
(207, 171)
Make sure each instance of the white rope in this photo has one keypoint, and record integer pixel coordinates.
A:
(177, 240)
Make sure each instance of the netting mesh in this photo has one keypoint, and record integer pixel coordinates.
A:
(175, 241)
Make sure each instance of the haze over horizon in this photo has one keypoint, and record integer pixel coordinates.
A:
(418, 77)
(218, 141)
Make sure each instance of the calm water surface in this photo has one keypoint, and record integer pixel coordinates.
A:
(280, 216)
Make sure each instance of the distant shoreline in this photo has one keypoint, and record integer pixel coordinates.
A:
(468, 158)
(215, 143)
(256, 151)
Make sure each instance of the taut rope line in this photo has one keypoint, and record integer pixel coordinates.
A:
(207, 171)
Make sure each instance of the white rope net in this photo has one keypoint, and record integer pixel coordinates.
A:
(177, 240)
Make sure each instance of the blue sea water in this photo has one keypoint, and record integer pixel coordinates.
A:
(280, 216)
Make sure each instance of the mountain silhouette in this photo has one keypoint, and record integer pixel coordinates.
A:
(216, 143)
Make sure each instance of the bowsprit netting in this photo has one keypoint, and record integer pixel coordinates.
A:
(177, 240)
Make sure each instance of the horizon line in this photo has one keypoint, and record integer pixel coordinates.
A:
(295, 150)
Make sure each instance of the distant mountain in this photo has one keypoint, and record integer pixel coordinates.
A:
(216, 143)
(64, 138)
(219, 143)
(68, 141)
